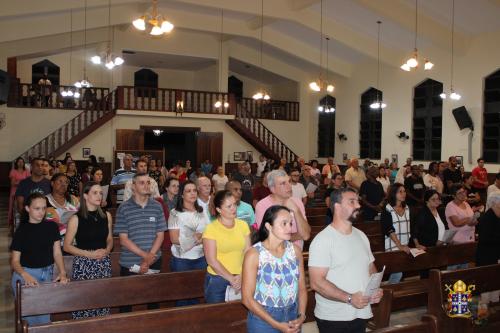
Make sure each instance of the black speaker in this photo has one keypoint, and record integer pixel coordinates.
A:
(4, 87)
(462, 117)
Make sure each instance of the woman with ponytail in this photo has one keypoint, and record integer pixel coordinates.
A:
(273, 282)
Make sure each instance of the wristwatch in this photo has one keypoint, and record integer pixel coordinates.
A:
(349, 299)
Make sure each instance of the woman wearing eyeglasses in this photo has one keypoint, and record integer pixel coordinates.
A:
(430, 222)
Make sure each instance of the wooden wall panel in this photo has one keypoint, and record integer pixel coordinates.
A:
(128, 139)
(209, 147)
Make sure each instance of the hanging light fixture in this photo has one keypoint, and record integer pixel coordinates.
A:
(157, 132)
(219, 103)
(261, 94)
(84, 83)
(68, 92)
(155, 21)
(326, 107)
(378, 104)
(322, 84)
(109, 59)
(453, 95)
(412, 62)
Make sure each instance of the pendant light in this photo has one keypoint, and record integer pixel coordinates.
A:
(453, 95)
(326, 107)
(154, 21)
(412, 62)
(68, 92)
(261, 94)
(220, 102)
(378, 104)
(84, 83)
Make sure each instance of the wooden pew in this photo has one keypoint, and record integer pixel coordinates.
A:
(428, 324)
(485, 278)
(223, 317)
(114, 292)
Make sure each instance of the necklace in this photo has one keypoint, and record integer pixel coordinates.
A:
(93, 214)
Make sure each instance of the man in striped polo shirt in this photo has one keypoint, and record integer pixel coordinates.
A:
(121, 176)
(141, 225)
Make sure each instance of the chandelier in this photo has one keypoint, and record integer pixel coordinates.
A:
(378, 103)
(412, 62)
(157, 132)
(155, 21)
(68, 92)
(84, 83)
(110, 60)
(261, 94)
(322, 84)
(220, 102)
(453, 95)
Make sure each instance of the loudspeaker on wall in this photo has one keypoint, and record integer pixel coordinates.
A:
(462, 117)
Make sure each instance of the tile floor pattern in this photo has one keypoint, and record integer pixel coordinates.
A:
(7, 301)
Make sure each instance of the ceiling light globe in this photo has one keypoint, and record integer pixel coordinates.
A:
(405, 67)
(64, 93)
(375, 105)
(455, 96)
(383, 105)
(412, 62)
(332, 109)
(428, 65)
(226, 105)
(442, 95)
(139, 23)
(218, 104)
(320, 108)
(110, 65)
(119, 61)
(76, 94)
(314, 86)
(257, 96)
(330, 88)
(156, 31)
(78, 84)
(96, 60)
(69, 93)
(167, 27)
(266, 97)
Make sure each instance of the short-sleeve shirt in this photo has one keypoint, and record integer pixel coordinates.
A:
(455, 176)
(357, 177)
(348, 259)
(374, 194)
(414, 185)
(482, 175)
(141, 226)
(28, 186)
(35, 241)
(247, 183)
(220, 182)
(230, 243)
(188, 223)
(464, 233)
(245, 212)
(298, 191)
(120, 177)
(267, 202)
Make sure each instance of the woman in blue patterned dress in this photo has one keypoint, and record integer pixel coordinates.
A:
(89, 238)
(273, 281)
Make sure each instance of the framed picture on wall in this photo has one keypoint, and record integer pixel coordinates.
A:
(394, 158)
(460, 160)
(240, 156)
(86, 152)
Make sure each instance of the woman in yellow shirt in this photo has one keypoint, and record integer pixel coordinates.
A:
(225, 241)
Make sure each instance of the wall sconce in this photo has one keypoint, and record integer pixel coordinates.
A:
(403, 136)
(342, 137)
(179, 107)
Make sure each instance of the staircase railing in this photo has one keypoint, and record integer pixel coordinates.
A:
(57, 142)
(272, 109)
(261, 132)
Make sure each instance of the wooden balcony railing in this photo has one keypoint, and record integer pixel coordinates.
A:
(271, 109)
(173, 100)
(38, 96)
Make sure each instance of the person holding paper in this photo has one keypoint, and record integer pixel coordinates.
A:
(273, 284)
(395, 222)
(90, 239)
(430, 222)
(141, 225)
(185, 227)
(340, 265)
(225, 241)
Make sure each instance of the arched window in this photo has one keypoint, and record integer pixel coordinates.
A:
(491, 118)
(145, 78)
(427, 120)
(370, 125)
(326, 126)
(45, 67)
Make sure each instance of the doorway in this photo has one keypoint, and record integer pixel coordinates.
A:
(178, 144)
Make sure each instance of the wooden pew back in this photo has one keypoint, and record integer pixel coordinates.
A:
(428, 324)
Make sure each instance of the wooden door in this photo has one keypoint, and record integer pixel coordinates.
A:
(209, 147)
(128, 139)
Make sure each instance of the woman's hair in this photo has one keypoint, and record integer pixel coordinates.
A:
(180, 202)
(20, 159)
(83, 210)
(392, 193)
(94, 170)
(456, 187)
(269, 217)
(169, 181)
(219, 199)
(25, 216)
(429, 193)
(93, 161)
(54, 178)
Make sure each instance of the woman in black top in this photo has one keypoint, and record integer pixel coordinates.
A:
(35, 247)
(89, 238)
(488, 228)
(430, 222)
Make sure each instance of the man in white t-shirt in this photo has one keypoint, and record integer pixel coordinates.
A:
(204, 187)
(492, 189)
(298, 190)
(340, 265)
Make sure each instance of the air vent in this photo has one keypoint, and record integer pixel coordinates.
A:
(128, 52)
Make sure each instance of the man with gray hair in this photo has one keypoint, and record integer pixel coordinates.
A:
(204, 187)
(281, 194)
(121, 176)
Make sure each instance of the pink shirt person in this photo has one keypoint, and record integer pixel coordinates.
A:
(464, 233)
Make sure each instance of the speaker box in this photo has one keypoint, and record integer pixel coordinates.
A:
(462, 117)
(4, 87)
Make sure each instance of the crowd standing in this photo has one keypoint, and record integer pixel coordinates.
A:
(246, 228)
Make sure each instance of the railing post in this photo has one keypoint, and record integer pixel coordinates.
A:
(120, 97)
(232, 104)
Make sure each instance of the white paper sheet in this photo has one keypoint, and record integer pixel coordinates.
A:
(448, 235)
(374, 283)
(311, 188)
(416, 252)
(232, 294)
(136, 269)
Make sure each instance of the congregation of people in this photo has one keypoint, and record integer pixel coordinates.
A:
(246, 229)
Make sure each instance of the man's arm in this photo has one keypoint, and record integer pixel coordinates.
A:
(303, 227)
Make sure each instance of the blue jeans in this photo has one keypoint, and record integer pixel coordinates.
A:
(457, 266)
(215, 288)
(283, 314)
(395, 277)
(182, 265)
(43, 274)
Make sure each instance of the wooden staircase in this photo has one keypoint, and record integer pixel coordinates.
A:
(69, 134)
(259, 136)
